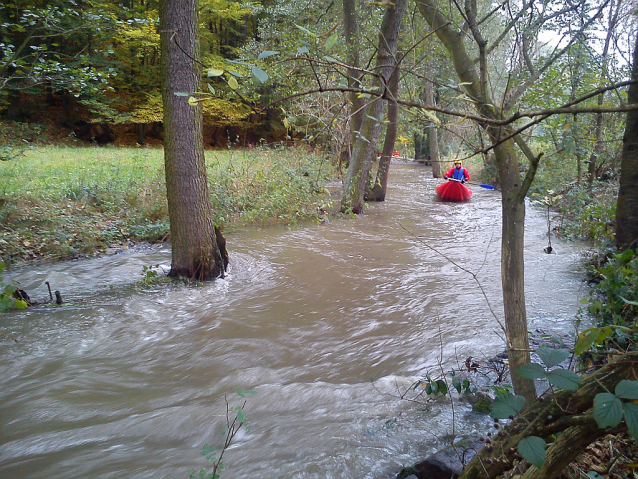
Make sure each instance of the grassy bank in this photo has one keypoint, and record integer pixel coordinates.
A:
(61, 202)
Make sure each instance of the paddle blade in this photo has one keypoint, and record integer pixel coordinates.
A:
(487, 187)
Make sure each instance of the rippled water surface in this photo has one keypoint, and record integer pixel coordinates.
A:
(327, 323)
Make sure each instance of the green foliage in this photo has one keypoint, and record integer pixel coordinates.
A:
(609, 409)
(235, 420)
(506, 405)
(613, 303)
(533, 449)
(7, 298)
(63, 202)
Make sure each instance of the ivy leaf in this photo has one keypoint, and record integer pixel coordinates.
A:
(532, 371)
(260, 75)
(507, 405)
(608, 410)
(210, 88)
(552, 357)
(532, 448)
(631, 418)
(266, 54)
(627, 389)
(303, 50)
(181, 93)
(564, 379)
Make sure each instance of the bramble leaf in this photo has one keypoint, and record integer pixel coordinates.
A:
(627, 389)
(608, 410)
(531, 371)
(631, 418)
(533, 448)
(552, 357)
(564, 379)
(507, 405)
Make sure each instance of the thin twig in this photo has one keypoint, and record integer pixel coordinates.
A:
(462, 268)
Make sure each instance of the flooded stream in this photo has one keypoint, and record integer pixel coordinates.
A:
(327, 323)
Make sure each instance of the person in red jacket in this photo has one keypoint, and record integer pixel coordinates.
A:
(457, 172)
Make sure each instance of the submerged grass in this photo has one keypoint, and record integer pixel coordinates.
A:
(60, 202)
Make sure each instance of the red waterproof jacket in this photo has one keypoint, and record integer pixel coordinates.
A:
(459, 174)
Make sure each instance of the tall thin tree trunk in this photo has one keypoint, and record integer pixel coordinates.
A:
(355, 182)
(354, 72)
(598, 122)
(380, 186)
(195, 253)
(434, 137)
(627, 206)
(513, 267)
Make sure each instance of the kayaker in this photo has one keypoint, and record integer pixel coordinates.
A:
(457, 172)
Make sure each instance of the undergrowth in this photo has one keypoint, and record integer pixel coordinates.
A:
(61, 202)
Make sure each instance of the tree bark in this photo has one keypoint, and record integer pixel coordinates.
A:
(195, 253)
(354, 72)
(567, 411)
(627, 206)
(380, 186)
(433, 136)
(355, 182)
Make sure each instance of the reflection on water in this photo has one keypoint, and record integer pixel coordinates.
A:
(326, 322)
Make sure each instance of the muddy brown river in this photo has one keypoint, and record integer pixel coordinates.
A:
(327, 323)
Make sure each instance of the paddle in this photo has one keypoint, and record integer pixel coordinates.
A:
(487, 187)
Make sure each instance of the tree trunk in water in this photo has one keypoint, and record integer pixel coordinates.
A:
(627, 207)
(195, 253)
(355, 182)
(380, 186)
(434, 137)
(564, 410)
(513, 268)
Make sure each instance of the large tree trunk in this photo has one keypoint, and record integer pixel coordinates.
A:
(195, 253)
(627, 207)
(355, 182)
(380, 186)
(566, 412)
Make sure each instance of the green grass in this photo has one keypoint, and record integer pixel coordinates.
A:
(58, 202)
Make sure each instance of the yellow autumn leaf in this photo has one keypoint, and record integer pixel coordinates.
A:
(286, 123)
(192, 101)
(232, 82)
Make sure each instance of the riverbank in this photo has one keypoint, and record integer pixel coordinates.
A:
(69, 202)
